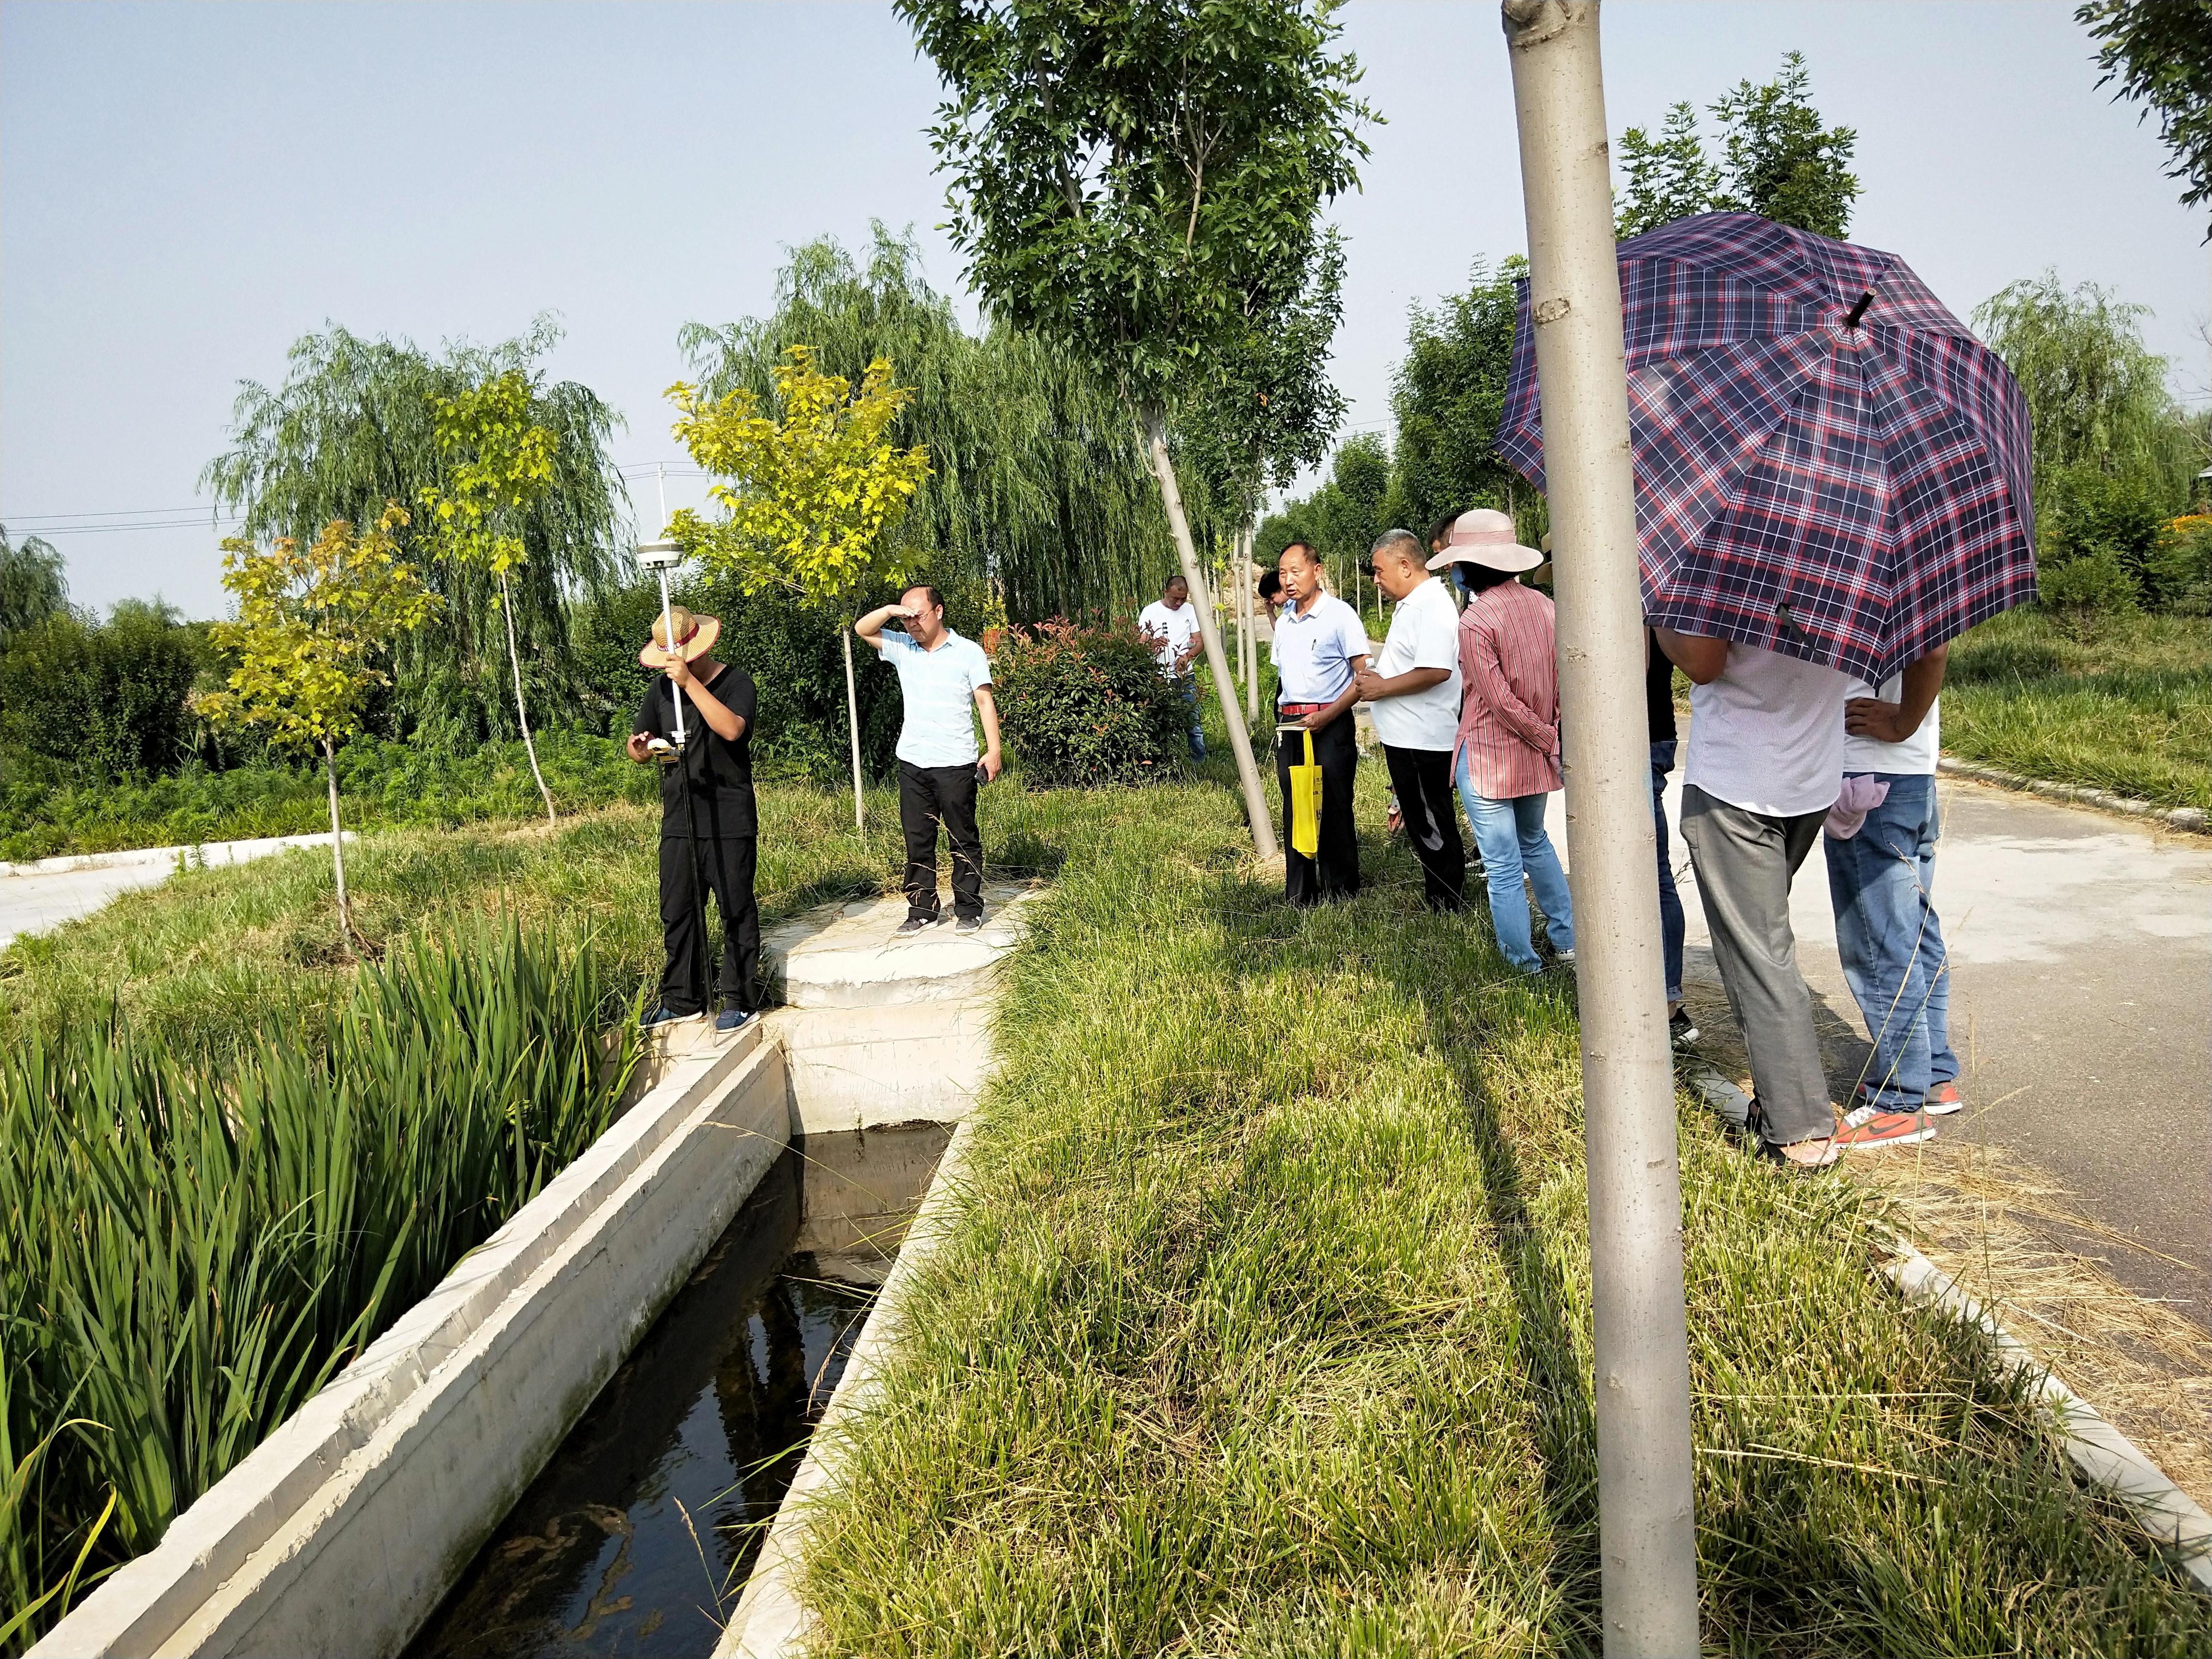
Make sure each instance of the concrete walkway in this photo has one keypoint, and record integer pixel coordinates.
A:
(48, 892)
(2080, 1009)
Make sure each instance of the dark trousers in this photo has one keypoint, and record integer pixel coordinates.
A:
(1422, 778)
(927, 795)
(726, 866)
(1335, 872)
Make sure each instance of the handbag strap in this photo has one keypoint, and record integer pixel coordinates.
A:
(1310, 757)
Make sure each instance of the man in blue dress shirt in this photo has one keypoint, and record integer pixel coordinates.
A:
(945, 683)
(1320, 644)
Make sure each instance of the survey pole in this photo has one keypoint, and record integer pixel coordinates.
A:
(1647, 1537)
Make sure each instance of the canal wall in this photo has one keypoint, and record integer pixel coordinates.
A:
(340, 1533)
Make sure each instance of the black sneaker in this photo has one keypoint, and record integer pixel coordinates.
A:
(917, 924)
(1681, 1029)
(664, 1015)
(968, 924)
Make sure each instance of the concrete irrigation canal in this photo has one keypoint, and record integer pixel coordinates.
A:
(575, 1443)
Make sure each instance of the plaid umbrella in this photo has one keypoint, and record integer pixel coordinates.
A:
(1827, 463)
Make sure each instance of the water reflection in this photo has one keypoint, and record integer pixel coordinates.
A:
(638, 1535)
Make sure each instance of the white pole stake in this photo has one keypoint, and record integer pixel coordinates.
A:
(1647, 1540)
(668, 633)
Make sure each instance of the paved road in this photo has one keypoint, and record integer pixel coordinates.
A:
(2081, 1010)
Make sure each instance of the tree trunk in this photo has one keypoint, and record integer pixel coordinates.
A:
(1153, 425)
(1251, 602)
(853, 726)
(338, 843)
(1647, 1532)
(522, 714)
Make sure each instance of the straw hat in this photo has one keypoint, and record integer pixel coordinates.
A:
(695, 637)
(1485, 536)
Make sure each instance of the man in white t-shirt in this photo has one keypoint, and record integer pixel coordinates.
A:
(1412, 693)
(1170, 621)
(1881, 880)
(1766, 764)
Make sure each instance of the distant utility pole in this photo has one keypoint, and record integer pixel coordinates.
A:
(1647, 1538)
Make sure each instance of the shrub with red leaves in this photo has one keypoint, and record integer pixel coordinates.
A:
(1086, 705)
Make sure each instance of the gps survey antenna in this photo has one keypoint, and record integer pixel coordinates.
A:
(661, 558)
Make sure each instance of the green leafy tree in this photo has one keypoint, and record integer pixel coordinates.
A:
(814, 493)
(1039, 490)
(32, 585)
(2160, 52)
(2096, 393)
(1131, 183)
(1777, 160)
(313, 618)
(1447, 396)
(106, 701)
(354, 424)
(501, 463)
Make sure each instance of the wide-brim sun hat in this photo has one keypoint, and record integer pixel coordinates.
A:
(694, 635)
(1485, 536)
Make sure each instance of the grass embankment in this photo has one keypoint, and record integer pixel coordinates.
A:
(1266, 1330)
(2118, 702)
(381, 785)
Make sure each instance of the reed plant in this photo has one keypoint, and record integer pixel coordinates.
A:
(194, 1244)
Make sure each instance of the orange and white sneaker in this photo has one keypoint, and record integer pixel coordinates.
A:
(1942, 1101)
(1863, 1129)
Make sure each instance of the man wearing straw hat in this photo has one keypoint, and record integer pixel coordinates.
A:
(708, 830)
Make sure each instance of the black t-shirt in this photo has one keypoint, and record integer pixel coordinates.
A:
(719, 773)
(1658, 689)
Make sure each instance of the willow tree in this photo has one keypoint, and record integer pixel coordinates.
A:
(1130, 183)
(354, 423)
(1038, 485)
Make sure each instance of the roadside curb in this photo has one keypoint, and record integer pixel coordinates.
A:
(2192, 820)
(2097, 1449)
(198, 856)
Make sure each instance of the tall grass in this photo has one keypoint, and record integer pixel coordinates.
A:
(1265, 1331)
(193, 1246)
(2120, 702)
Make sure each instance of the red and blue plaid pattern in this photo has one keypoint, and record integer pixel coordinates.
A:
(1850, 496)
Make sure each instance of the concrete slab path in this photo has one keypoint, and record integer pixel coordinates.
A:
(48, 892)
(2080, 1009)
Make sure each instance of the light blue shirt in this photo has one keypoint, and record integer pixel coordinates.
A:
(939, 689)
(1313, 653)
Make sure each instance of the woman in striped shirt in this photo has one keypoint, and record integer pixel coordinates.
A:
(1506, 757)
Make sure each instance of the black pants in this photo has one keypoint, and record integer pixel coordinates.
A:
(726, 865)
(927, 794)
(1422, 778)
(1335, 872)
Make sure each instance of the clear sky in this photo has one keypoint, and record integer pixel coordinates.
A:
(185, 189)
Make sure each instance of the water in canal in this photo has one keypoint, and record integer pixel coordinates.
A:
(637, 1537)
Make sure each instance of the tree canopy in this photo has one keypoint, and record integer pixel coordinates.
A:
(2161, 53)
(354, 424)
(1776, 160)
(1448, 395)
(32, 585)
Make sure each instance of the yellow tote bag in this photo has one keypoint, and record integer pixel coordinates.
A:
(1305, 804)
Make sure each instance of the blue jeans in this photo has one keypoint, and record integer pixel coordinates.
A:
(1670, 902)
(1882, 883)
(1510, 836)
(1186, 685)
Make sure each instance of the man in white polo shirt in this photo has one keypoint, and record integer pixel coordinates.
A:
(1320, 644)
(1412, 692)
(1766, 764)
(1170, 621)
(945, 683)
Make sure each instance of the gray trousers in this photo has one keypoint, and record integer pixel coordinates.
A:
(1744, 862)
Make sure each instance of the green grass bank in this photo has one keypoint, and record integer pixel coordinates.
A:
(2111, 701)
(1270, 1334)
